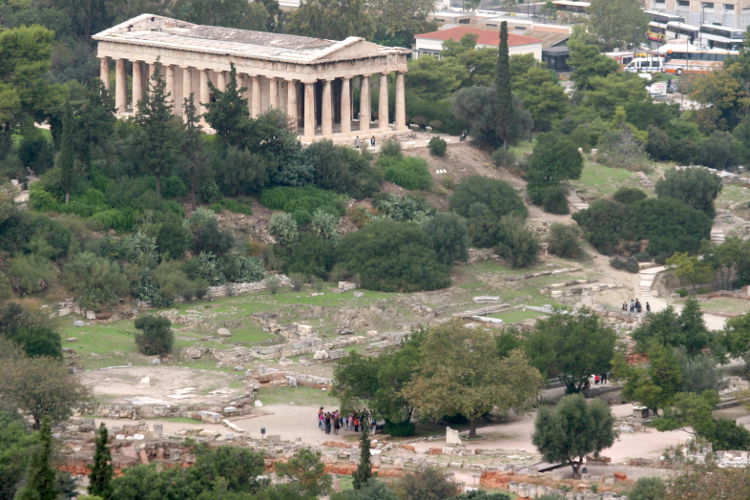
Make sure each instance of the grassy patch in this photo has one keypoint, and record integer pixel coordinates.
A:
(600, 180)
(303, 396)
(726, 305)
(731, 194)
(516, 315)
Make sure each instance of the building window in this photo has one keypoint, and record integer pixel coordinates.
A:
(729, 7)
(708, 5)
(660, 2)
(683, 3)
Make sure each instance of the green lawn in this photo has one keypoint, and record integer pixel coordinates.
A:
(732, 194)
(516, 315)
(726, 305)
(601, 181)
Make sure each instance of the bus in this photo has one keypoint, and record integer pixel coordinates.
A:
(571, 6)
(657, 27)
(681, 57)
(721, 37)
(681, 31)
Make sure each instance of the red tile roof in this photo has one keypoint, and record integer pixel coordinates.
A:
(484, 36)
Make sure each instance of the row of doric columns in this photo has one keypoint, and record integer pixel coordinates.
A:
(298, 99)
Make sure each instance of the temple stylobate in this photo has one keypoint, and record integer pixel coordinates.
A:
(312, 80)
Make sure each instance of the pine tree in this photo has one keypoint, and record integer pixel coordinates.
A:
(159, 133)
(228, 114)
(101, 472)
(504, 95)
(364, 469)
(195, 168)
(42, 481)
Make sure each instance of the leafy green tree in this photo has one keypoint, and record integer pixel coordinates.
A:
(363, 474)
(690, 269)
(426, 483)
(283, 227)
(98, 282)
(392, 256)
(15, 444)
(307, 473)
(573, 429)
(372, 490)
(30, 330)
(653, 385)
(461, 374)
(617, 24)
(497, 196)
(516, 243)
(555, 159)
(736, 336)
(332, 19)
(240, 468)
(503, 86)
(311, 255)
(447, 235)
(100, 478)
(159, 133)
(228, 113)
(555, 347)
(709, 481)
(400, 20)
(648, 488)
(41, 387)
(208, 237)
(696, 187)
(628, 195)
(477, 106)
(341, 169)
(156, 337)
(42, 482)
(484, 495)
(667, 328)
(542, 95)
(435, 79)
(563, 241)
(587, 61)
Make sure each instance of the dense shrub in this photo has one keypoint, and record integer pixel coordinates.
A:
(324, 225)
(629, 195)
(398, 429)
(241, 269)
(392, 256)
(302, 202)
(341, 169)
(437, 146)
(406, 171)
(390, 147)
(31, 330)
(447, 235)
(517, 244)
(156, 337)
(555, 159)
(284, 228)
(98, 282)
(497, 196)
(503, 157)
(402, 208)
(312, 255)
(35, 151)
(563, 241)
(173, 282)
(695, 187)
(555, 199)
(173, 238)
(207, 235)
(30, 274)
(629, 264)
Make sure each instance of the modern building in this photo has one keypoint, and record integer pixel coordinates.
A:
(311, 79)
(732, 13)
(432, 43)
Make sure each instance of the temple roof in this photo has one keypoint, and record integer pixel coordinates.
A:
(164, 32)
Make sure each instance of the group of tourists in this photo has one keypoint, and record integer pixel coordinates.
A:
(634, 306)
(597, 379)
(334, 421)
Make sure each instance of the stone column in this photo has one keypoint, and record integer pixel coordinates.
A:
(169, 78)
(187, 84)
(221, 80)
(204, 91)
(309, 124)
(104, 71)
(326, 115)
(346, 106)
(400, 101)
(247, 82)
(255, 107)
(151, 73)
(383, 103)
(273, 93)
(364, 104)
(121, 87)
(137, 88)
(291, 102)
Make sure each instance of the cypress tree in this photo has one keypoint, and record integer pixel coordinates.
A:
(42, 481)
(101, 472)
(364, 469)
(66, 159)
(502, 84)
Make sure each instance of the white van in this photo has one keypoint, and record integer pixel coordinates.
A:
(646, 65)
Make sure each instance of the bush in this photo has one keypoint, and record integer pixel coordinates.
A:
(448, 236)
(648, 488)
(312, 255)
(696, 187)
(156, 337)
(390, 147)
(112, 218)
(555, 199)
(502, 157)
(98, 282)
(172, 282)
(399, 429)
(273, 283)
(402, 208)
(629, 264)
(341, 169)
(324, 225)
(437, 146)
(30, 274)
(283, 227)
(302, 202)
(563, 241)
(406, 171)
(497, 196)
(238, 205)
(298, 281)
(629, 195)
(392, 256)
(208, 237)
(241, 269)
(517, 244)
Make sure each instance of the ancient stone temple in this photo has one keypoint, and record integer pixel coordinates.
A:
(314, 81)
